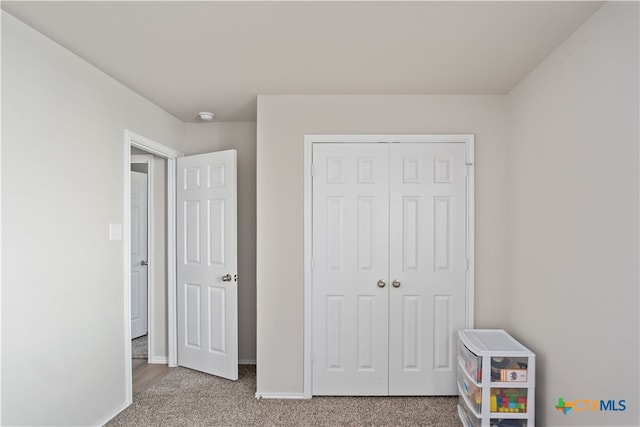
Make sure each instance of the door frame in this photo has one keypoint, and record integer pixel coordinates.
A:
(309, 140)
(132, 139)
(147, 159)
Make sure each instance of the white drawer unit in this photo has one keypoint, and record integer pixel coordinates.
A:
(496, 380)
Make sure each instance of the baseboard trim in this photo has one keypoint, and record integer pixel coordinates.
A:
(160, 360)
(120, 408)
(281, 396)
(165, 361)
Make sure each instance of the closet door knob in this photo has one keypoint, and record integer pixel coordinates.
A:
(381, 284)
(396, 283)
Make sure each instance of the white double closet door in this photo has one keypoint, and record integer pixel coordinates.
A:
(389, 267)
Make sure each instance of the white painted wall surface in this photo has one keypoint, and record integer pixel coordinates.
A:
(282, 123)
(574, 218)
(207, 137)
(63, 324)
(160, 349)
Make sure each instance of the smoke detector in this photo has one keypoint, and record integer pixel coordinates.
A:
(206, 116)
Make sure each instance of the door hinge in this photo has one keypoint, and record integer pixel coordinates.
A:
(467, 264)
(313, 169)
(313, 264)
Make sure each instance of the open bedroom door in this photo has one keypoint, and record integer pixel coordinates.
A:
(207, 293)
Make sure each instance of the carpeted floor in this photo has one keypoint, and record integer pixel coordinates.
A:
(139, 348)
(189, 398)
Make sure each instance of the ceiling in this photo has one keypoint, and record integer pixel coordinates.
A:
(218, 56)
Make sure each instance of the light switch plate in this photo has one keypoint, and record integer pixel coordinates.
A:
(115, 231)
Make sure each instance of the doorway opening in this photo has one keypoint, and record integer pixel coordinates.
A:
(143, 261)
(204, 259)
(163, 233)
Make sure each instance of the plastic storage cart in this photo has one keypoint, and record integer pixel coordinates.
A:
(496, 379)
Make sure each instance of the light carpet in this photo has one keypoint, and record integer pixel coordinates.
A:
(139, 348)
(189, 398)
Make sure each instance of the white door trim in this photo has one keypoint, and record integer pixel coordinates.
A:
(148, 160)
(132, 139)
(309, 140)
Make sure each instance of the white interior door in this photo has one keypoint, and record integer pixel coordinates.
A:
(350, 269)
(388, 267)
(139, 267)
(207, 296)
(427, 264)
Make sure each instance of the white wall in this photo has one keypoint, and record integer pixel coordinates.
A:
(206, 137)
(160, 351)
(282, 123)
(63, 308)
(574, 219)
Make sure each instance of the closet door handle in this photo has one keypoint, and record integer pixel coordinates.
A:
(396, 283)
(381, 284)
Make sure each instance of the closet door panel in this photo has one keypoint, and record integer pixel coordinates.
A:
(389, 267)
(350, 257)
(427, 264)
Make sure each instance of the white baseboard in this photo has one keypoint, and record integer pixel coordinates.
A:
(165, 361)
(280, 396)
(161, 360)
(120, 408)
